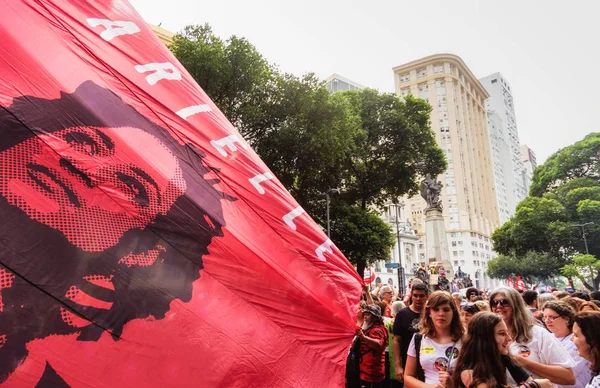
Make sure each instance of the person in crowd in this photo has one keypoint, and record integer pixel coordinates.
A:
(458, 299)
(588, 306)
(543, 298)
(391, 380)
(531, 299)
(433, 351)
(595, 295)
(483, 305)
(586, 337)
(471, 293)
(406, 324)
(581, 295)
(483, 294)
(467, 311)
(386, 294)
(559, 318)
(473, 370)
(574, 302)
(373, 341)
(536, 349)
(561, 294)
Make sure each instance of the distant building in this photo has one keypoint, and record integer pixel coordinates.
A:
(459, 121)
(165, 36)
(509, 172)
(336, 83)
(529, 163)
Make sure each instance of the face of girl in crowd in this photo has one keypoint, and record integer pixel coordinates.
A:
(441, 316)
(502, 337)
(583, 348)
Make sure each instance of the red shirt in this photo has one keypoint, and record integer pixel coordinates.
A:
(372, 363)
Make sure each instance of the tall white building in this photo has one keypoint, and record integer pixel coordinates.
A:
(509, 172)
(458, 119)
(530, 164)
(336, 83)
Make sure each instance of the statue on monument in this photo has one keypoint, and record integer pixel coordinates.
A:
(430, 191)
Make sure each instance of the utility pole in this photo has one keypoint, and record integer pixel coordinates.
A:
(582, 226)
(398, 205)
(327, 195)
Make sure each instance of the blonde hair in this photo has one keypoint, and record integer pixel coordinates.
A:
(522, 320)
(483, 305)
(437, 299)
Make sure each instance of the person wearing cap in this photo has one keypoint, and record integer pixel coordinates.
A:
(373, 341)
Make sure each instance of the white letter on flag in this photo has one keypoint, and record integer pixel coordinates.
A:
(325, 247)
(164, 70)
(114, 28)
(228, 141)
(289, 218)
(260, 178)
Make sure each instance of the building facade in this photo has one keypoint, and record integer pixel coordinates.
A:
(165, 36)
(405, 252)
(336, 83)
(459, 121)
(509, 172)
(529, 164)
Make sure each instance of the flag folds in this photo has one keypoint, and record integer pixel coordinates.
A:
(143, 241)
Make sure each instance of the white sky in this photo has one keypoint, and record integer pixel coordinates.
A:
(547, 50)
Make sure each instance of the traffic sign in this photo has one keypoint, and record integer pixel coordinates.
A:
(392, 265)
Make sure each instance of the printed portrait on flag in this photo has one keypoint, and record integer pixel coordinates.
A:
(112, 216)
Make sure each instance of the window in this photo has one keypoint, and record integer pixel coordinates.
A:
(455, 253)
(461, 254)
(480, 245)
(494, 81)
(453, 234)
(421, 73)
(462, 262)
(404, 78)
(460, 243)
(453, 243)
(437, 69)
(456, 263)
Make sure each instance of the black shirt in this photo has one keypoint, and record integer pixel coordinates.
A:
(405, 325)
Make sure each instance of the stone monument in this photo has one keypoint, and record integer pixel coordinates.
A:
(435, 229)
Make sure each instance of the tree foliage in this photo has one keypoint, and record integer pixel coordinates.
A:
(586, 268)
(531, 266)
(580, 160)
(565, 195)
(372, 146)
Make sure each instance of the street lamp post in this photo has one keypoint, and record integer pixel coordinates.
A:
(582, 226)
(400, 267)
(327, 195)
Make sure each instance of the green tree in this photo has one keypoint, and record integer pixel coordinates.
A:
(372, 146)
(361, 234)
(232, 72)
(564, 195)
(580, 160)
(531, 266)
(586, 268)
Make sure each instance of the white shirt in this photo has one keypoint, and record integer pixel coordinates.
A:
(543, 348)
(434, 357)
(582, 366)
(595, 383)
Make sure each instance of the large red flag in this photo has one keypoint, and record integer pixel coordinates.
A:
(143, 242)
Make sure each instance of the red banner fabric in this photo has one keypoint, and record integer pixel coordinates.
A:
(143, 242)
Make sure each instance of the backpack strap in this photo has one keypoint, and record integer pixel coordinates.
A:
(420, 371)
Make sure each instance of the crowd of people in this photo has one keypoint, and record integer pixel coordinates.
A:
(508, 338)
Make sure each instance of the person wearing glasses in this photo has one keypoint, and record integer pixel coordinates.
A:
(559, 318)
(537, 350)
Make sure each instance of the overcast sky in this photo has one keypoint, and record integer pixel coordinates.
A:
(549, 51)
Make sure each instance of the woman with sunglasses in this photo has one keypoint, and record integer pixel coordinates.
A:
(586, 337)
(433, 351)
(473, 370)
(536, 349)
(559, 318)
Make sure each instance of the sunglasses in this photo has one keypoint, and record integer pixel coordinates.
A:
(501, 302)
